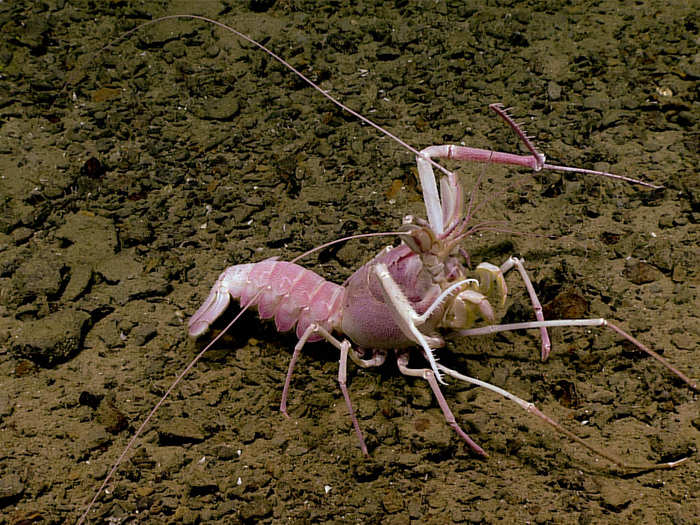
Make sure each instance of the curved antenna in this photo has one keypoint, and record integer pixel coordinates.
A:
(290, 67)
(344, 239)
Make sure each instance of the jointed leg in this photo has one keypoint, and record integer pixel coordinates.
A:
(295, 356)
(492, 329)
(345, 349)
(406, 317)
(514, 262)
(532, 409)
(429, 376)
(536, 306)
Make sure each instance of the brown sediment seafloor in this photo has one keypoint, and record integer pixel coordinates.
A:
(130, 178)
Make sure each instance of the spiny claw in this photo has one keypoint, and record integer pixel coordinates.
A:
(481, 303)
(468, 306)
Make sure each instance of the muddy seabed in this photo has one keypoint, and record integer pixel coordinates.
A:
(131, 177)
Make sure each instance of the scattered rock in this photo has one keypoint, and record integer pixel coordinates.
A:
(614, 494)
(92, 238)
(141, 334)
(80, 278)
(21, 235)
(134, 231)
(566, 394)
(201, 484)
(640, 272)
(684, 341)
(7, 406)
(610, 237)
(296, 450)
(672, 444)
(146, 286)
(25, 367)
(89, 399)
(186, 516)
(39, 276)
(223, 108)
(256, 509)
(111, 417)
(95, 438)
(554, 90)
(225, 452)
(567, 305)
(430, 431)
(120, 267)
(93, 168)
(178, 431)
(393, 502)
(11, 488)
(53, 339)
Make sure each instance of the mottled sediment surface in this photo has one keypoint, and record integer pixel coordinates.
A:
(130, 177)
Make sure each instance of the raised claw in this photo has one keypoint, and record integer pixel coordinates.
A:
(443, 209)
(480, 303)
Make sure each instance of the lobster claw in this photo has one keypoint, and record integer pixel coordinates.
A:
(467, 306)
(445, 209)
(452, 197)
(492, 283)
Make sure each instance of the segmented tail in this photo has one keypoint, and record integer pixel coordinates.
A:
(290, 293)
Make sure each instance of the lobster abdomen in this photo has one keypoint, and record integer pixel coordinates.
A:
(290, 293)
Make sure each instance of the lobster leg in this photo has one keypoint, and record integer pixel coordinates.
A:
(345, 350)
(493, 329)
(532, 409)
(514, 262)
(429, 376)
(342, 376)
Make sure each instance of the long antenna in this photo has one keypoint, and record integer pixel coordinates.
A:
(289, 66)
(538, 160)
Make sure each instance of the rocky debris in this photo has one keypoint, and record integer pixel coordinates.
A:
(178, 431)
(615, 495)
(255, 510)
(134, 231)
(53, 339)
(95, 438)
(90, 237)
(124, 277)
(7, 406)
(108, 415)
(80, 278)
(11, 488)
(224, 108)
(639, 272)
(566, 305)
(39, 276)
(142, 333)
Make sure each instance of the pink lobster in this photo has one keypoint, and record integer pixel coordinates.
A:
(404, 295)
(401, 298)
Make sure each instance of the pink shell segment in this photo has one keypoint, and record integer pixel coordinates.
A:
(291, 294)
